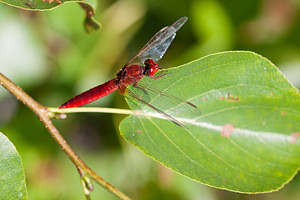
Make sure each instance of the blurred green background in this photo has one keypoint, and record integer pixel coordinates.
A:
(50, 56)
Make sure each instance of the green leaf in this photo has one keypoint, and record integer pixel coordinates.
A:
(241, 95)
(12, 177)
(41, 5)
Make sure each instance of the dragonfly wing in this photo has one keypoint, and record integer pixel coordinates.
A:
(132, 96)
(157, 53)
(171, 107)
(175, 99)
(160, 42)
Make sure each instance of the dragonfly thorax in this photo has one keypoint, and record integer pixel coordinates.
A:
(150, 67)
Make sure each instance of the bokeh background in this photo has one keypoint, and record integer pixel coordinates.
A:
(51, 57)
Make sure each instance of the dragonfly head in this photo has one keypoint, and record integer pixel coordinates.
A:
(151, 67)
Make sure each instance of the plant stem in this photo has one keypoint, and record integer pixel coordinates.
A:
(42, 113)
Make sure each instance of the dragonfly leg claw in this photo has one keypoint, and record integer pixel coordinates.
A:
(161, 74)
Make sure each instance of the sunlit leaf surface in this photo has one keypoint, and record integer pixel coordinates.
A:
(245, 138)
(12, 178)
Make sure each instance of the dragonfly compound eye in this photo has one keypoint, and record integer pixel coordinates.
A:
(153, 69)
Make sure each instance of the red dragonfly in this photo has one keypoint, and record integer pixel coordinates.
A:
(131, 74)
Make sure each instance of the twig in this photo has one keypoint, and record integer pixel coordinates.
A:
(42, 113)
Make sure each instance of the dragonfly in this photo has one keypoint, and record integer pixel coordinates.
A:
(132, 73)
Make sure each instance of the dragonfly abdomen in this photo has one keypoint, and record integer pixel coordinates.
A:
(91, 95)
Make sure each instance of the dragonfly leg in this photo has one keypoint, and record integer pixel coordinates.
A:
(161, 74)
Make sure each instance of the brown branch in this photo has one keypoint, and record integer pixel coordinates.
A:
(42, 113)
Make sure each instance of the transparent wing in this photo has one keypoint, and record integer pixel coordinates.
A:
(159, 43)
(157, 52)
(133, 97)
(171, 107)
